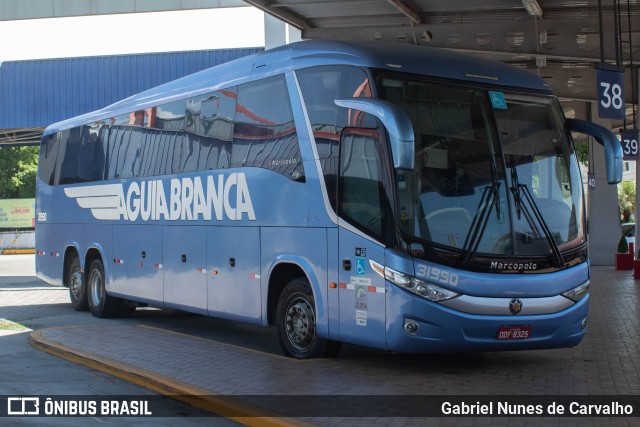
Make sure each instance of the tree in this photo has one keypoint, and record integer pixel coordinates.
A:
(627, 200)
(582, 151)
(18, 167)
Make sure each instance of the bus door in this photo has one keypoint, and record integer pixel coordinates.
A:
(361, 289)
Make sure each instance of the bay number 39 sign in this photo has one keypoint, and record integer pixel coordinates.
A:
(629, 140)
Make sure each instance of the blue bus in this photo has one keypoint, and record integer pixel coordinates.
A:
(386, 195)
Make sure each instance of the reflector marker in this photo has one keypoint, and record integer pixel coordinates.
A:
(139, 264)
(333, 285)
(377, 267)
(40, 252)
(55, 254)
(157, 265)
(202, 270)
(118, 261)
(372, 289)
(254, 276)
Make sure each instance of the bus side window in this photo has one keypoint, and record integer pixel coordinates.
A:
(165, 135)
(361, 187)
(209, 128)
(48, 157)
(91, 159)
(265, 134)
(124, 150)
(321, 86)
(69, 155)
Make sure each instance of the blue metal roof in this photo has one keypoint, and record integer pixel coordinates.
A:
(38, 93)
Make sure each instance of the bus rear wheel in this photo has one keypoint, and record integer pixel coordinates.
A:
(76, 285)
(296, 323)
(100, 304)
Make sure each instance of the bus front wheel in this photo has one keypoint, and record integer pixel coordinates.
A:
(76, 285)
(296, 323)
(100, 304)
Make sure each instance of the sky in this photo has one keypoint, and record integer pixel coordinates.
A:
(131, 33)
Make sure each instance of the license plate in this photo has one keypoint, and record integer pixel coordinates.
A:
(513, 332)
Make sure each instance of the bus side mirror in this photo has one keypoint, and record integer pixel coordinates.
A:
(612, 147)
(396, 122)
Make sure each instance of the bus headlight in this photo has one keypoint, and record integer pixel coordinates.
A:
(576, 294)
(432, 292)
(426, 290)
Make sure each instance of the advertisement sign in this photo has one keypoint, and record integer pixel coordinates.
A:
(17, 213)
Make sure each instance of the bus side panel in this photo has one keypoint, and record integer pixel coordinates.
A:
(63, 235)
(98, 236)
(44, 260)
(233, 257)
(333, 297)
(185, 268)
(362, 292)
(307, 248)
(136, 262)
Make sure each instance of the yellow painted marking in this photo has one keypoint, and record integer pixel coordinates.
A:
(190, 394)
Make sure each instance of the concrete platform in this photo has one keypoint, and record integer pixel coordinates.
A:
(238, 381)
(168, 363)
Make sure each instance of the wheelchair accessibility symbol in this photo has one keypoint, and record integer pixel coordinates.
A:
(361, 268)
(497, 100)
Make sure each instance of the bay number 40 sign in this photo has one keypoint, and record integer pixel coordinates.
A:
(629, 140)
(610, 94)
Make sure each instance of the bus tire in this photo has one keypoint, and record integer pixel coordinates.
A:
(76, 285)
(100, 304)
(296, 323)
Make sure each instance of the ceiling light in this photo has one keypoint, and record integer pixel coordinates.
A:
(533, 7)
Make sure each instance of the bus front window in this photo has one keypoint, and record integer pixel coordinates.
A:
(540, 162)
(458, 185)
(510, 188)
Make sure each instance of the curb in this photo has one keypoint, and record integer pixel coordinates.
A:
(17, 252)
(195, 396)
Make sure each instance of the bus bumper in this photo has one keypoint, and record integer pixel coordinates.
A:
(444, 330)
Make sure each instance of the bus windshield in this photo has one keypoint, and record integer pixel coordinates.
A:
(494, 174)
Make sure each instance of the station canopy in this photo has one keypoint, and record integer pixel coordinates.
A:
(557, 39)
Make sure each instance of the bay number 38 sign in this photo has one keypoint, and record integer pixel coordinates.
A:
(611, 106)
(610, 94)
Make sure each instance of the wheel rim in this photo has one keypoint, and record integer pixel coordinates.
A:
(300, 323)
(75, 284)
(95, 288)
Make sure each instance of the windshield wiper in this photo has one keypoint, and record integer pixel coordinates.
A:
(490, 196)
(518, 191)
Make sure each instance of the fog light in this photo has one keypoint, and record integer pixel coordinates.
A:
(584, 324)
(410, 326)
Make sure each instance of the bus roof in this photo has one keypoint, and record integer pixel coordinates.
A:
(407, 58)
